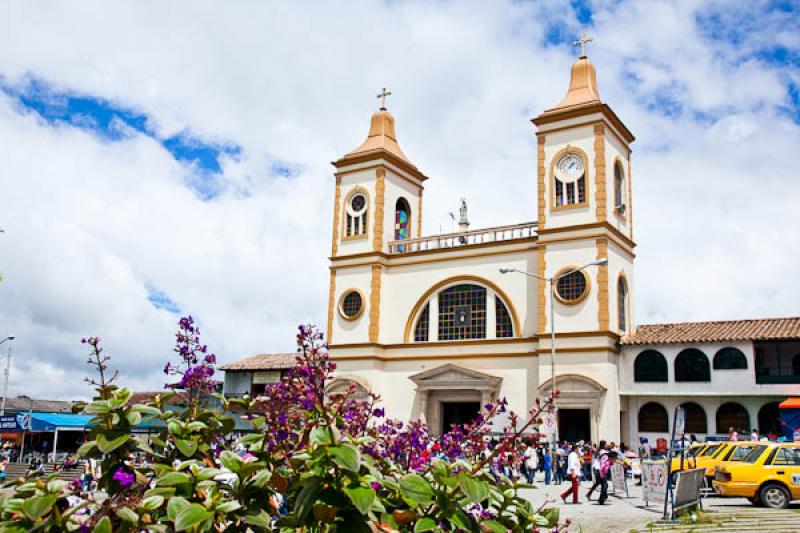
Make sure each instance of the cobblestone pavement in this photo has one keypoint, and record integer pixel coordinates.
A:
(624, 514)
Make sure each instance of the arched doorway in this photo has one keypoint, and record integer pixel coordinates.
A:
(578, 407)
(769, 419)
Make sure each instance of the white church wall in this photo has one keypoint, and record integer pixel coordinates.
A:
(352, 331)
(619, 263)
(581, 316)
(397, 187)
(403, 286)
(615, 150)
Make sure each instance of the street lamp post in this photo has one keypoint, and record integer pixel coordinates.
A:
(552, 281)
(5, 375)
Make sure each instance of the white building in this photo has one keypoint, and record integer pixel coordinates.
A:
(434, 327)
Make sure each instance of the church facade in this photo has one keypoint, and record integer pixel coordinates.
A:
(438, 325)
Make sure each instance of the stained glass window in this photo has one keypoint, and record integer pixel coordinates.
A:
(356, 216)
(351, 304)
(462, 313)
(423, 322)
(503, 327)
(619, 182)
(402, 219)
(622, 305)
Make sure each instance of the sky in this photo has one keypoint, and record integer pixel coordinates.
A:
(168, 158)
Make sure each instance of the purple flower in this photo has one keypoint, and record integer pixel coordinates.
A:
(124, 478)
(379, 412)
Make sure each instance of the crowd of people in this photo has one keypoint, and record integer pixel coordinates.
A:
(568, 462)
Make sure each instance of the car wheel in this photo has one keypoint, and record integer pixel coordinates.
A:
(774, 496)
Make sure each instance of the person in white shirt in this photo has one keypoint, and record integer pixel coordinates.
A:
(531, 463)
(573, 473)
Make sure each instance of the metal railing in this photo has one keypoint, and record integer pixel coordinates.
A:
(466, 238)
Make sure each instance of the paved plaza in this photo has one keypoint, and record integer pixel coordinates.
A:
(623, 515)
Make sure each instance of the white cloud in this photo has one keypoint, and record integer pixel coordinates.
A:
(91, 224)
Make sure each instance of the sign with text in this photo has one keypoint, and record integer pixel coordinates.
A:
(17, 422)
(618, 484)
(680, 422)
(654, 481)
(687, 488)
(548, 426)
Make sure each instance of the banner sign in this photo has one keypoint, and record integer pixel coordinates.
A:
(680, 423)
(654, 481)
(17, 422)
(548, 426)
(687, 488)
(618, 484)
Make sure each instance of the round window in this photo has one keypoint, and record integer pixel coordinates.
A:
(357, 203)
(573, 287)
(352, 305)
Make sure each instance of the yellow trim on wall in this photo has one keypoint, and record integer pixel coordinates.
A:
(350, 193)
(360, 311)
(419, 215)
(377, 225)
(540, 171)
(541, 291)
(600, 191)
(586, 291)
(455, 279)
(556, 158)
(331, 304)
(602, 285)
(630, 201)
(336, 199)
(375, 303)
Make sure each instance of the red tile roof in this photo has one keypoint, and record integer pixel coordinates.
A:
(267, 361)
(718, 331)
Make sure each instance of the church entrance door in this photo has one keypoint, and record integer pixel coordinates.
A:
(458, 413)
(574, 425)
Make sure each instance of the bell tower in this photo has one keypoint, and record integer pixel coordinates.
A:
(377, 205)
(585, 205)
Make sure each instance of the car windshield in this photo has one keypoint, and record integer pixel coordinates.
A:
(711, 449)
(754, 454)
(694, 450)
(741, 451)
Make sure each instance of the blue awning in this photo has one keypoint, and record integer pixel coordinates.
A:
(43, 421)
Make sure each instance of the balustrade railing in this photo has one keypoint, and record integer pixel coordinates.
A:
(465, 238)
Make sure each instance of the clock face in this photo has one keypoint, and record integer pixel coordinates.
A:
(570, 166)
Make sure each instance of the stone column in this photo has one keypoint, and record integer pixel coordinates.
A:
(423, 406)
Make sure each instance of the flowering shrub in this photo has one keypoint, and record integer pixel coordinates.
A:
(313, 462)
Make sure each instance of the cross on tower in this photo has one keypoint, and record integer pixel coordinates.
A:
(383, 94)
(582, 41)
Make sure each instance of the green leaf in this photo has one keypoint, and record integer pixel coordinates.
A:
(461, 520)
(103, 526)
(153, 502)
(495, 526)
(191, 516)
(474, 489)
(146, 409)
(134, 418)
(128, 515)
(552, 516)
(416, 488)
(231, 461)
(362, 498)
(38, 505)
(426, 524)
(166, 492)
(174, 427)
(142, 445)
(97, 407)
(196, 426)
(345, 456)
(187, 447)
(86, 447)
(262, 520)
(175, 506)
(306, 498)
(261, 479)
(322, 435)
(108, 446)
(173, 478)
(229, 506)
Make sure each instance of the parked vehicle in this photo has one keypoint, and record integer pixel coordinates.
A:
(769, 475)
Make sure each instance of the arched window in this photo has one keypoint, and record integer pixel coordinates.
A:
(356, 210)
(569, 180)
(619, 187)
(732, 415)
(462, 312)
(696, 421)
(402, 220)
(653, 417)
(729, 359)
(504, 327)
(650, 366)
(423, 323)
(622, 304)
(692, 365)
(769, 419)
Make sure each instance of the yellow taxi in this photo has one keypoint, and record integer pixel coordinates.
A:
(709, 454)
(769, 475)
